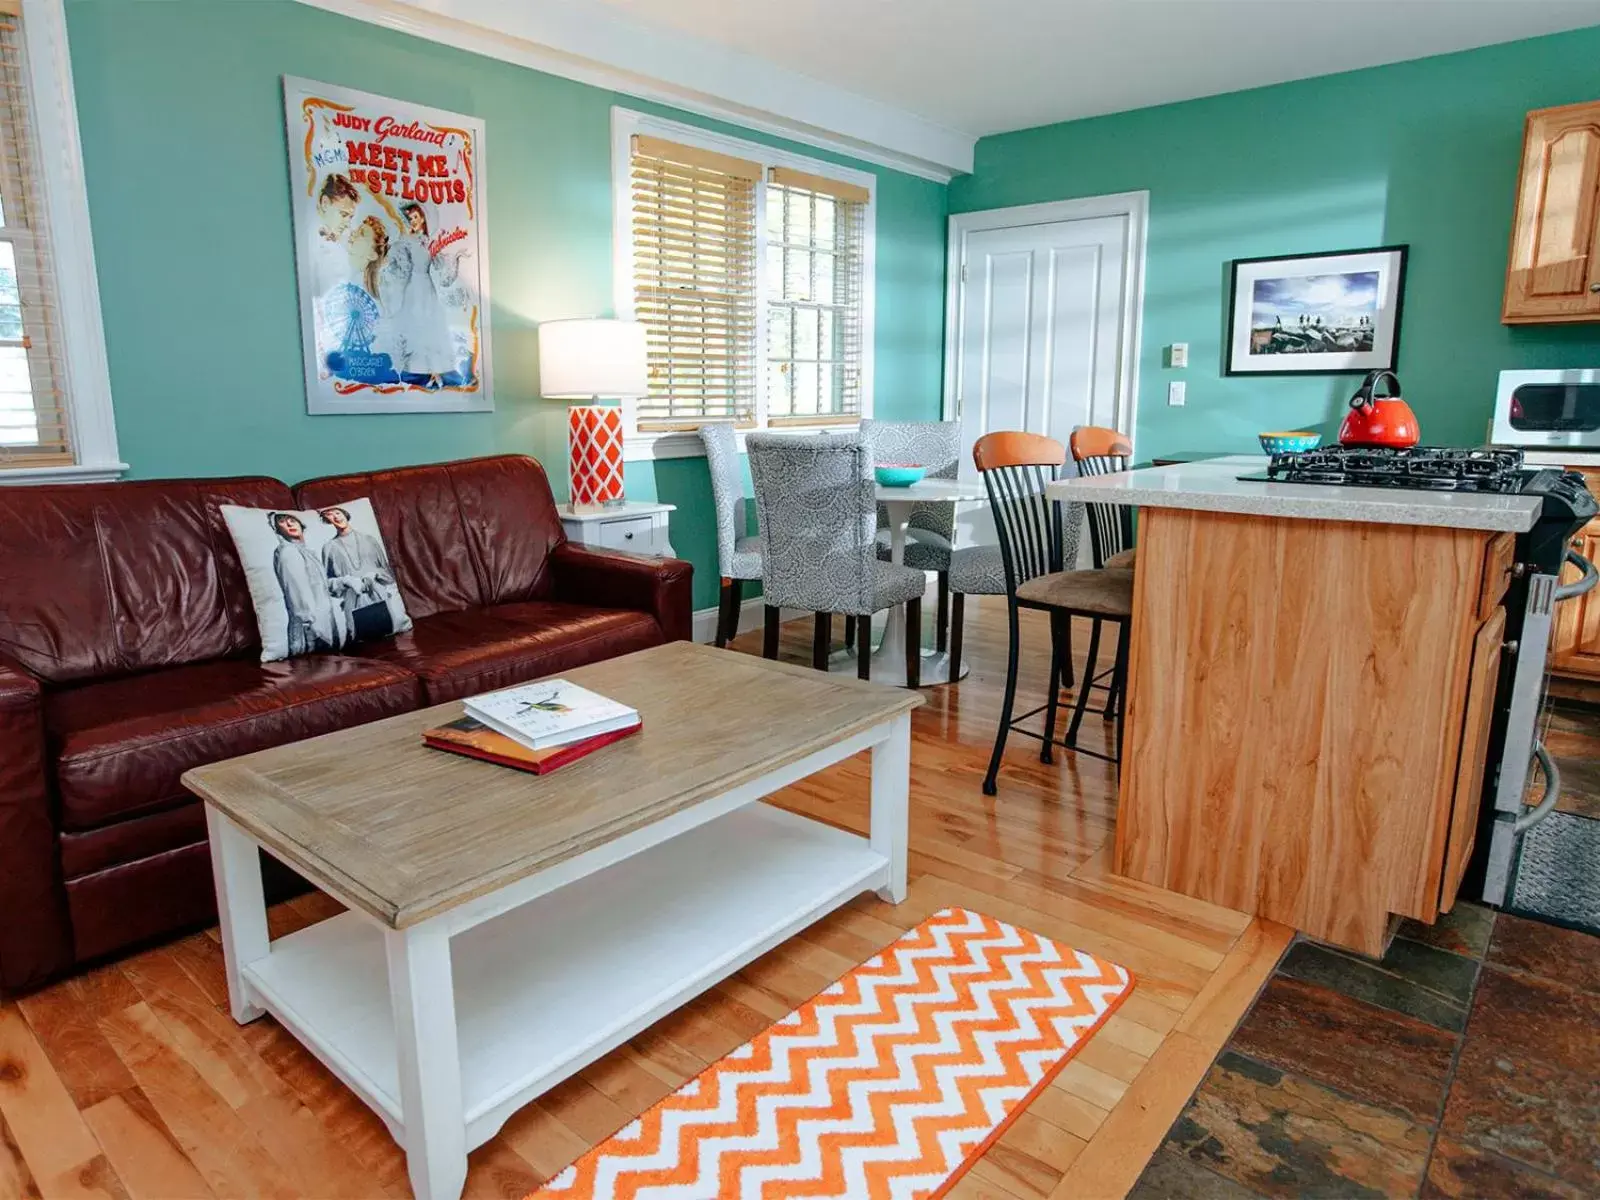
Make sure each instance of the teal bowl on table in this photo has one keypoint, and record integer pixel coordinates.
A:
(898, 474)
(1289, 443)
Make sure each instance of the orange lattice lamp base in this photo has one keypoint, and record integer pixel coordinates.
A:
(594, 449)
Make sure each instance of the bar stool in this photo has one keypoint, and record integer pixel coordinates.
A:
(1016, 468)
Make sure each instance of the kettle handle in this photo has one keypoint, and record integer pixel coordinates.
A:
(1366, 393)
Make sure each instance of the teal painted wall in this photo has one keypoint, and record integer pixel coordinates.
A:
(181, 110)
(1423, 152)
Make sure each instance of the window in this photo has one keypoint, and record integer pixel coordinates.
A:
(751, 270)
(43, 219)
(815, 231)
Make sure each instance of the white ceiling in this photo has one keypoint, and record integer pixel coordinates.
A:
(983, 66)
(913, 83)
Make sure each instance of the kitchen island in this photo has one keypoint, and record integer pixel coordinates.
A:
(1310, 687)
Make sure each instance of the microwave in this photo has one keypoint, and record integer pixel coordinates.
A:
(1548, 409)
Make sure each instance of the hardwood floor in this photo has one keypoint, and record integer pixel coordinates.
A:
(132, 1081)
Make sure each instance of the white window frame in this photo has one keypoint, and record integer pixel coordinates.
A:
(65, 198)
(625, 123)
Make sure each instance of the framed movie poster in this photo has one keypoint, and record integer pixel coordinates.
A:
(1316, 314)
(391, 250)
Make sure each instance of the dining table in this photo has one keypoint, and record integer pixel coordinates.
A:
(889, 658)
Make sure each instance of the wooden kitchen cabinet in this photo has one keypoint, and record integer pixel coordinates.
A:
(1554, 271)
(1577, 635)
(1481, 681)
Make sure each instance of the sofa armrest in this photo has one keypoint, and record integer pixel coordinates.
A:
(662, 587)
(35, 937)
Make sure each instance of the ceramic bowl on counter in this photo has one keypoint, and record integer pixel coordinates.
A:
(1289, 443)
(899, 474)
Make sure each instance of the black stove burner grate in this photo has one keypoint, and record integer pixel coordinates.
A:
(1420, 467)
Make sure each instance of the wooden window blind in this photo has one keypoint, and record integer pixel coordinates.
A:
(34, 426)
(816, 238)
(694, 282)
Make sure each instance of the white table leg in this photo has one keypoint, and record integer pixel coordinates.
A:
(422, 993)
(891, 804)
(241, 908)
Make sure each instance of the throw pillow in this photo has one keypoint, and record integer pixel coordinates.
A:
(319, 580)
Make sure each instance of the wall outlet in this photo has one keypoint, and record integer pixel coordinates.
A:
(1178, 354)
(1175, 393)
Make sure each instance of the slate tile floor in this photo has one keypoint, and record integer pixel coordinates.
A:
(1464, 1065)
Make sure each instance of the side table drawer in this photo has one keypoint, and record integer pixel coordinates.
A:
(636, 534)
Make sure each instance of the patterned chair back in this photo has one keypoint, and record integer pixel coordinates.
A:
(935, 445)
(814, 499)
(727, 489)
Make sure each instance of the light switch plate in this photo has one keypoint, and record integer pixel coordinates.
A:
(1175, 391)
(1178, 356)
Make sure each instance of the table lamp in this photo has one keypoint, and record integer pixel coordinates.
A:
(589, 359)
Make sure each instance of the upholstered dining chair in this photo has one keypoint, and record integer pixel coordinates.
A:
(1016, 469)
(738, 553)
(815, 507)
(930, 534)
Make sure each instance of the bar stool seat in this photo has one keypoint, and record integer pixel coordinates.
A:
(1123, 558)
(1104, 593)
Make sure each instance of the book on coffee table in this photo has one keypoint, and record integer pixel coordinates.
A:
(552, 712)
(476, 740)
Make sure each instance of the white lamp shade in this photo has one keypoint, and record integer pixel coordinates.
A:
(592, 356)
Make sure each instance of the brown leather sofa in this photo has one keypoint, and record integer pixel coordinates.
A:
(128, 654)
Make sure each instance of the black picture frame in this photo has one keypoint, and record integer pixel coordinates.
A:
(1385, 355)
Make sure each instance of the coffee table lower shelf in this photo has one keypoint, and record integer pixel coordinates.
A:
(543, 990)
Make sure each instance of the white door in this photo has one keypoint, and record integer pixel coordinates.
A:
(1040, 340)
(1041, 337)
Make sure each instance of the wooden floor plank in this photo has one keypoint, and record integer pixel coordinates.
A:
(149, 1160)
(177, 1100)
(61, 1154)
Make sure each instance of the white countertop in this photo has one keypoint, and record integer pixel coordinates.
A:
(1213, 485)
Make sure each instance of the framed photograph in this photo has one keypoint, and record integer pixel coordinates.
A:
(1316, 314)
(391, 252)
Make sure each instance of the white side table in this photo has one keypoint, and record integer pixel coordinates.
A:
(634, 525)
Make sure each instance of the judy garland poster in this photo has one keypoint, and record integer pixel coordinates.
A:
(391, 251)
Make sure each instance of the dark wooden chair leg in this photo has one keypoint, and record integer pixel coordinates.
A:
(914, 642)
(1069, 675)
(769, 632)
(1006, 705)
(941, 620)
(821, 641)
(958, 603)
(1122, 684)
(864, 647)
(1114, 692)
(849, 632)
(728, 610)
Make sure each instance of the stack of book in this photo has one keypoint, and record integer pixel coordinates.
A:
(536, 727)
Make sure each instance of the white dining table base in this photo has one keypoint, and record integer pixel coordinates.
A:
(889, 658)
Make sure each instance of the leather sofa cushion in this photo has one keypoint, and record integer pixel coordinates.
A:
(128, 841)
(460, 535)
(462, 654)
(109, 579)
(120, 746)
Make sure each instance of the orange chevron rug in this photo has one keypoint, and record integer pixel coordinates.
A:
(890, 1083)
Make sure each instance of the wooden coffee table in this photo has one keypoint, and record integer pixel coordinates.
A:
(505, 930)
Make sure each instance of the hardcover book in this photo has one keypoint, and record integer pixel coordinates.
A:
(549, 713)
(476, 740)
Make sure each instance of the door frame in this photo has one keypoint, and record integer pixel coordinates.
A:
(1133, 205)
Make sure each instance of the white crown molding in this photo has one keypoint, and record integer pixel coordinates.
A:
(582, 42)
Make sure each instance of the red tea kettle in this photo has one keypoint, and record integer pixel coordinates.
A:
(1379, 421)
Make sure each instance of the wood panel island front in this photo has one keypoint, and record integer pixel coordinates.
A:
(1311, 679)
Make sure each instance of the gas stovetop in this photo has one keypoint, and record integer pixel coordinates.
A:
(1429, 468)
